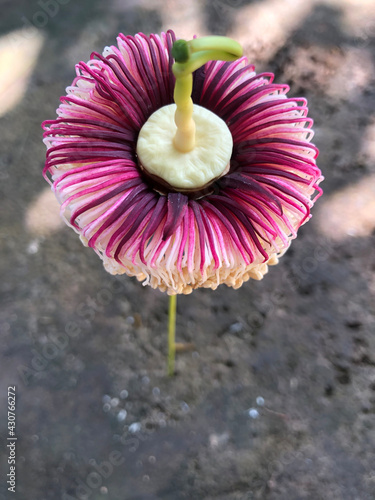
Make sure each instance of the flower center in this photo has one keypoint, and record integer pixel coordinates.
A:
(184, 147)
(191, 170)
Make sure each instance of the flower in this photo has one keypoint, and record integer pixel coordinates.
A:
(173, 240)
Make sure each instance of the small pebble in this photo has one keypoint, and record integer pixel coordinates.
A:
(33, 247)
(236, 327)
(124, 394)
(152, 459)
(156, 391)
(253, 413)
(217, 440)
(106, 398)
(184, 407)
(146, 479)
(145, 380)
(135, 427)
(121, 416)
(106, 407)
(260, 401)
(103, 490)
(293, 383)
(114, 402)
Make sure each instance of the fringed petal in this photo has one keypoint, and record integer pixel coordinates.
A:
(172, 241)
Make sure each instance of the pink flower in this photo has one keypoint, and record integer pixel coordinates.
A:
(175, 241)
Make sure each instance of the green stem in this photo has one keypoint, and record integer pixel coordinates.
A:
(172, 333)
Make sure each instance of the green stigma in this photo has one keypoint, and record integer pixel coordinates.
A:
(180, 51)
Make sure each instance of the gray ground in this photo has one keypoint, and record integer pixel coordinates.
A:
(277, 399)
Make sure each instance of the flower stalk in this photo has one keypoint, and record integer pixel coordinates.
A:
(172, 334)
(168, 228)
(189, 56)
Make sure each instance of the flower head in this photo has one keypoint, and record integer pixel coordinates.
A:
(175, 239)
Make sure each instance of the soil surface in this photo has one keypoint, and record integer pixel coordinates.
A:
(276, 400)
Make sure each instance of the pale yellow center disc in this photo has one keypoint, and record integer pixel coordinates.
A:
(208, 160)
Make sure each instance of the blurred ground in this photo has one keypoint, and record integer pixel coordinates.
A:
(277, 401)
